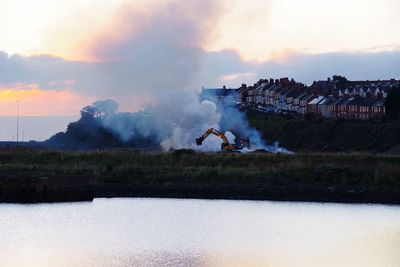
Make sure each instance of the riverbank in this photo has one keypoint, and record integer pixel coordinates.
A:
(32, 176)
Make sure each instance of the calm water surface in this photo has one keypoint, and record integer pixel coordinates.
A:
(169, 232)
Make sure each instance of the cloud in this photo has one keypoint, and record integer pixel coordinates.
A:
(44, 70)
(37, 102)
(155, 47)
(229, 69)
(158, 47)
(118, 79)
(147, 48)
(354, 65)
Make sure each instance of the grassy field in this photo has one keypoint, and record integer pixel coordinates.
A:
(184, 173)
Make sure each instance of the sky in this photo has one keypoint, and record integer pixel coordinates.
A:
(57, 56)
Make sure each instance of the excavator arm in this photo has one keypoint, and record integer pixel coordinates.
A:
(225, 143)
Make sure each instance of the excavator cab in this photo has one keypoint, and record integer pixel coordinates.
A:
(245, 142)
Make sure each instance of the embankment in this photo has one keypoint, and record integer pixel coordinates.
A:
(317, 134)
(32, 176)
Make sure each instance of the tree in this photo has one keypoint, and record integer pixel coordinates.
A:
(338, 78)
(100, 109)
(105, 108)
(392, 103)
(340, 81)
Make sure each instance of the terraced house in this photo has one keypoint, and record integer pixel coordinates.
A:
(333, 98)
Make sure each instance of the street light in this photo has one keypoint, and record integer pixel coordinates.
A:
(0, 126)
(17, 119)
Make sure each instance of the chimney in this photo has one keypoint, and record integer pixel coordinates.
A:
(271, 81)
(224, 87)
(277, 81)
(284, 80)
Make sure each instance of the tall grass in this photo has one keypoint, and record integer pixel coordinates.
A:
(205, 169)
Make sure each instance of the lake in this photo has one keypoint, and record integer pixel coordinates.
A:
(182, 232)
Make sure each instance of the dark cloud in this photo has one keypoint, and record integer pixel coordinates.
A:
(355, 66)
(212, 68)
(302, 67)
(42, 70)
(157, 48)
(153, 48)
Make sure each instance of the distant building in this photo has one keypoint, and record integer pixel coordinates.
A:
(221, 94)
(335, 97)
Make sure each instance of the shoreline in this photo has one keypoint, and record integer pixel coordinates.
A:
(241, 192)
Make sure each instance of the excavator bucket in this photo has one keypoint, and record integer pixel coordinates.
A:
(199, 141)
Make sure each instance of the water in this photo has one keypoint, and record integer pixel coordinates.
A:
(169, 232)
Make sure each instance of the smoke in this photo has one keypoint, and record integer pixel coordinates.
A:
(154, 47)
(176, 120)
(146, 48)
(173, 122)
(237, 123)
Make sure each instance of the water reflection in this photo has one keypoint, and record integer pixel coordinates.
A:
(160, 232)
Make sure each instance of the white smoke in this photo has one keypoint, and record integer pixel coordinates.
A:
(173, 122)
(178, 118)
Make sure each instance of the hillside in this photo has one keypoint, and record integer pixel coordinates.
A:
(319, 134)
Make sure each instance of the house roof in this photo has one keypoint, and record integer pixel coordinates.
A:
(307, 97)
(300, 95)
(262, 86)
(356, 101)
(346, 101)
(275, 88)
(367, 102)
(338, 101)
(322, 86)
(291, 93)
(323, 101)
(329, 101)
(316, 100)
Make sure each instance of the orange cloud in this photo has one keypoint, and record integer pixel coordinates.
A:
(284, 55)
(34, 101)
(154, 25)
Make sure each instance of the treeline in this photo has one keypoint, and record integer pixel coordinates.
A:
(89, 133)
(314, 133)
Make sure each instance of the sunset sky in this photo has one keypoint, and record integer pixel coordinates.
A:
(60, 55)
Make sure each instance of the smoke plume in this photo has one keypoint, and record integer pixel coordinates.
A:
(174, 122)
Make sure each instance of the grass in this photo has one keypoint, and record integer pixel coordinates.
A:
(202, 169)
(321, 134)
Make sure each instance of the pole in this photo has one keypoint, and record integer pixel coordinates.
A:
(17, 119)
(0, 127)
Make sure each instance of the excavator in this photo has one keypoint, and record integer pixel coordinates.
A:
(225, 146)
